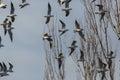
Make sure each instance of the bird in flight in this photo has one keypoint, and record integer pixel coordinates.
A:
(2, 5)
(48, 14)
(79, 30)
(23, 4)
(48, 38)
(3, 70)
(60, 59)
(12, 15)
(4, 24)
(67, 9)
(72, 47)
(10, 67)
(63, 30)
(9, 30)
(101, 11)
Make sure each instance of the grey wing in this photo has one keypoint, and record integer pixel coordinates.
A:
(82, 54)
(12, 8)
(82, 35)
(0, 39)
(11, 66)
(71, 51)
(5, 30)
(73, 43)
(10, 35)
(5, 21)
(47, 20)
(23, 1)
(4, 67)
(59, 1)
(59, 63)
(63, 24)
(102, 15)
(49, 8)
(1, 67)
(77, 24)
(62, 33)
(66, 4)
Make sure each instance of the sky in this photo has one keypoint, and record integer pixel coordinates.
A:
(26, 52)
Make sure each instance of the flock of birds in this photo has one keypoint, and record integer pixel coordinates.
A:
(4, 69)
(10, 18)
(7, 27)
(102, 67)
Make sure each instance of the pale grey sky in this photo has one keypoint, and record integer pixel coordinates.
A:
(26, 52)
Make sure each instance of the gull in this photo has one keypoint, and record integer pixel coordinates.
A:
(4, 24)
(23, 4)
(61, 2)
(103, 68)
(79, 30)
(63, 30)
(81, 56)
(48, 38)
(72, 47)
(4, 70)
(1, 45)
(101, 13)
(67, 9)
(110, 56)
(48, 14)
(9, 28)
(59, 58)
(12, 15)
(10, 68)
(2, 5)
(109, 59)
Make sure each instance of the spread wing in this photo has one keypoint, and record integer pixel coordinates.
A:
(0, 39)
(23, 1)
(77, 25)
(49, 8)
(63, 24)
(73, 43)
(12, 8)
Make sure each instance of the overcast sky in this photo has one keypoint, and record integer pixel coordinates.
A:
(26, 52)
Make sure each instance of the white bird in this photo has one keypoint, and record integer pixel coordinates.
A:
(23, 4)
(48, 14)
(2, 5)
(1, 45)
(63, 30)
(12, 15)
